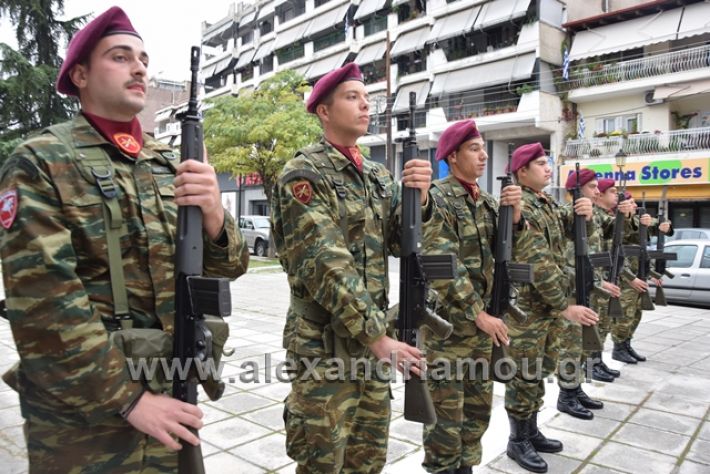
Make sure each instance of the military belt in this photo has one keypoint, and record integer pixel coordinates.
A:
(310, 310)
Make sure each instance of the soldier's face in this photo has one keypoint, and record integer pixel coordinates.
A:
(349, 113)
(591, 190)
(469, 161)
(537, 174)
(113, 83)
(609, 198)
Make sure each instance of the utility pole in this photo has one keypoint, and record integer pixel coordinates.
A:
(389, 151)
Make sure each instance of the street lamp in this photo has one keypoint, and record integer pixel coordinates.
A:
(620, 159)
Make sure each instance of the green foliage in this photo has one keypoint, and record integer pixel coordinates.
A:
(27, 74)
(259, 131)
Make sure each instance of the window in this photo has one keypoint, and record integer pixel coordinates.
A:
(685, 254)
(267, 64)
(290, 10)
(259, 208)
(419, 120)
(320, 2)
(411, 63)
(411, 10)
(247, 37)
(329, 39)
(620, 123)
(705, 261)
(266, 26)
(374, 72)
(290, 53)
(248, 72)
(375, 24)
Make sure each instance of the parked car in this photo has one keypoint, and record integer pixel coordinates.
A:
(257, 232)
(691, 283)
(682, 233)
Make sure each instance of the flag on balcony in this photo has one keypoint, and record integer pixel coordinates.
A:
(565, 65)
(581, 126)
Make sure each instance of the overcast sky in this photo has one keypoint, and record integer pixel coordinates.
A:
(168, 27)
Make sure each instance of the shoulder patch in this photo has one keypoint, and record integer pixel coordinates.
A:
(302, 191)
(8, 207)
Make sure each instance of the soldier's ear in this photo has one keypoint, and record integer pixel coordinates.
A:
(452, 157)
(322, 112)
(79, 75)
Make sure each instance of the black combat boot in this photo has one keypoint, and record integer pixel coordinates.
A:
(633, 353)
(621, 353)
(521, 450)
(614, 373)
(540, 442)
(600, 374)
(587, 402)
(464, 470)
(567, 403)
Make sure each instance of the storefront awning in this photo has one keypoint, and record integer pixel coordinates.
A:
(368, 7)
(265, 10)
(401, 102)
(499, 11)
(696, 20)
(290, 36)
(247, 18)
(327, 20)
(483, 75)
(625, 35)
(453, 25)
(410, 41)
(264, 50)
(244, 59)
(681, 90)
(371, 53)
(326, 65)
(163, 115)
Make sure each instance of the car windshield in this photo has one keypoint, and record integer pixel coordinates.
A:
(261, 222)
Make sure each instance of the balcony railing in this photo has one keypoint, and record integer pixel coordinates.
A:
(656, 65)
(640, 144)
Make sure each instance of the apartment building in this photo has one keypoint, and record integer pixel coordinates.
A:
(640, 79)
(497, 61)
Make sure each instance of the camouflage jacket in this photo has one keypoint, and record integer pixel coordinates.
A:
(550, 230)
(334, 229)
(468, 231)
(56, 272)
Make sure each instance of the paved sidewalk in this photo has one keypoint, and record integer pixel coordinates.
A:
(656, 418)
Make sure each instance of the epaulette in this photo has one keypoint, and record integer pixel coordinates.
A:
(21, 163)
(311, 176)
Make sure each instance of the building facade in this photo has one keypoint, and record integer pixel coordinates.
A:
(640, 82)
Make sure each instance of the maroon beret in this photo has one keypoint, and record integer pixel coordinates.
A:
(525, 154)
(454, 136)
(111, 22)
(606, 183)
(627, 195)
(585, 176)
(328, 83)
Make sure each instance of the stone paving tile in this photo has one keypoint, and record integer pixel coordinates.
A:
(704, 432)
(224, 462)
(398, 449)
(594, 469)
(690, 387)
(556, 464)
(241, 403)
(406, 430)
(410, 463)
(690, 467)
(662, 401)
(270, 417)
(598, 427)
(659, 420)
(620, 392)
(614, 411)
(231, 432)
(651, 439)
(268, 452)
(632, 459)
(212, 414)
(576, 446)
(10, 417)
(276, 391)
(700, 451)
(13, 454)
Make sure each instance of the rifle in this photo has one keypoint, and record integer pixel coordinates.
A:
(617, 251)
(195, 295)
(415, 270)
(644, 260)
(584, 264)
(505, 273)
(660, 256)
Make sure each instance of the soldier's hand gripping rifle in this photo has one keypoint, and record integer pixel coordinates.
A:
(504, 274)
(618, 254)
(195, 295)
(584, 264)
(661, 256)
(415, 270)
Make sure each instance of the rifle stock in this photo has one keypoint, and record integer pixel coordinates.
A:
(662, 257)
(644, 261)
(195, 295)
(415, 270)
(505, 273)
(618, 253)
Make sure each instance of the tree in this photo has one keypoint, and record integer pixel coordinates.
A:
(258, 132)
(27, 75)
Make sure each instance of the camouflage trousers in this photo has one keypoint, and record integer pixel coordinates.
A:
(534, 347)
(625, 327)
(463, 395)
(337, 426)
(113, 448)
(569, 367)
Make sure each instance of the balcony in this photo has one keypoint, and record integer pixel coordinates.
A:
(690, 139)
(657, 65)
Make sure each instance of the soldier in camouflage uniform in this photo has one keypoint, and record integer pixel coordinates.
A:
(83, 410)
(534, 343)
(463, 404)
(631, 290)
(335, 221)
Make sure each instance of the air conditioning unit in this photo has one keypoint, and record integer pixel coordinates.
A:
(648, 98)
